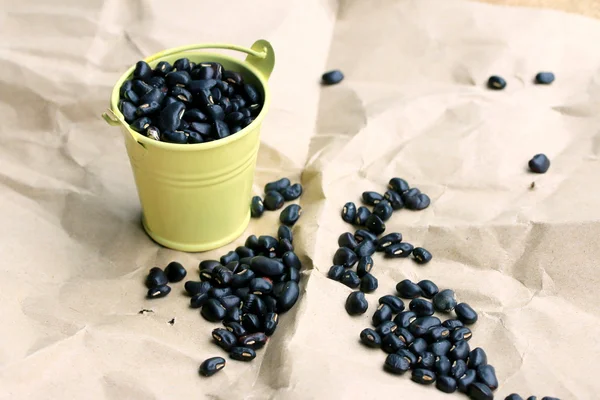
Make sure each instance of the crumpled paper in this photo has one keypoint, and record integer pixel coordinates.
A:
(413, 104)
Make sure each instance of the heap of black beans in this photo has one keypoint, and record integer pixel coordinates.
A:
(276, 194)
(188, 102)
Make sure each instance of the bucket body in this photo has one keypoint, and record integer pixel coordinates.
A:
(196, 197)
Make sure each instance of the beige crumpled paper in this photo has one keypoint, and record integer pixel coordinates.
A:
(413, 104)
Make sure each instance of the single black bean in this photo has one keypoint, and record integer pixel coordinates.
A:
(477, 357)
(428, 288)
(399, 250)
(387, 240)
(251, 94)
(182, 64)
(198, 300)
(405, 335)
(203, 98)
(350, 279)
(202, 128)
(532, 398)
(291, 274)
(549, 398)
(203, 72)
(162, 68)
(211, 366)
(179, 78)
(459, 351)
(193, 288)
(168, 100)
(383, 313)
(421, 325)
(221, 276)
(221, 130)
(438, 333)
(181, 94)
(391, 343)
(127, 85)
(194, 137)
(285, 232)
(496, 82)
(356, 303)
(395, 303)
(170, 117)
(270, 304)
(349, 212)
(365, 265)
(273, 200)
(277, 185)
(487, 375)
(426, 360)
(394, 199)
(365, 248)
(251, 322)
(291, 260)
(234, 117)
(419, 202)
(254, 304)
(257, 207)
(288, 297)
(216, 94)
(252, 242)
(235, 327)
(443, 366)
(178, 137)
(383, 210)
(215, 112)
(217, 293)
(479, 391)
(242, 353)
(242, 292)
(466, 380)
(421, 307)
(242, 278)
(175, 271)
(372, 198)
(267, 266)
(462, 333)
(408, 290)
(347, 240)
(158, 292)
(444, 301)
(396, 364)
(131, 96)
(128, 109)
(290, 215)
(157, 82)
(270, 323)
(156, 277)
(375, 224)
(539, 164)
(459, 367)
(423, 376)
(408, 356)
(225, 339)
(410, 193)
(244, 252)
(368, 283)
(446, 384)
(345, 256)
(398, 185)
(146, 109)
(336, 272)
(369, 337)
(195, 115)
(513, 396)
(267, 243)
(284, 247)
(440, 348)
(140, 87)
(332, 77)
(544, 78)
(362, 214)
(141, 124)
(233, 315)
(452, 324)
(229, 257)
(226, 105)
(261, 286)
(292, 192)
(362, 234)
(422, 256)
(196, 86)
(254, 340)
(386, 328)
(213, 310)
(233, 78)
(465, 313)
(230, 301)
(405, 318)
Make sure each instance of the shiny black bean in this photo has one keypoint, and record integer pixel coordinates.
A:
(421, 307)
(438, 333)
(368, 283)
(386, 328)
(428, 288)
(158, 292)
(273, 200)
(291, 274)
(131, 96)
(284, 247)
(254, 340)
(251, 94)
(251, 323)
(216, 94)
(162, 68)
(390, 343)
(181, 94)
(242, 354)
(291, 260)
(254, 304)
(466, 380)
(442, 365)
(252, 243)
(224, 338)
(496, 82)
(459, 367)
(421, 255)
(235, 327)
(242, 278)
(229, 257)
(372, 198)
(261, 286)
(410, 357)
(175, 271)
(336, 272)
(370, 338)
(234, 117)
(217, 293)
(168, 100)
(459, 351)
(201, 127)
(426, 360)
(398, 250)
(254, 109)
(128, 109)
(194, 137)
(419, 202)
(141, 88)
(544, 78)
(356, 303)
(170, 117)
(410, 193)
(349, 212)
(539, 164)
(477, 357)
(242, 292)
(213, 310)
(195, 115)
(199, 85)
(221, 277)
(198, 300)
(277, 185)
(233, 78)
(408, 290)
(156, 277)
(157, 82)
(514, 396)
(452, 324)
(396, 364)
(211, 366)
(395, 303)
(487, 374)
(532, 398)
(479, 391)
(288, 297)
(383, 210)
(215, 112)
(446, 384)
(465, 313)
(388, 240)
(174, 137)
(179, 78)
(332, 77)
(423, 376)
(290, 215)
(365, 265)
(418, 346)
(270, 323)
(444, 301)
(394, 200)
(153, 96)
(235, 266)
(345, 256)
(193, 288)
(405, 318)
(267, 243)
(398, 185)
(347, 240)
(350, 279)
(127, 85)
(383, 313)
(285, 232)
(440, 348)
(405, 336)
(366, 248)
(375, 225)
(292, 192)
(362, 234)
(462, 333)
(230, 301)
(549, 398)
(233, 315)
(421, 325)
(182, 64)
(226, 105)
(244, 252)
(141, 124)
(362, 214)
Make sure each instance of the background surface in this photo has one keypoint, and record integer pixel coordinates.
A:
(413, 104)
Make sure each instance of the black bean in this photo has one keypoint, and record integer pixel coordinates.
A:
(405, 335)
(158, 292)
(383, 313)
(332, 77)
(254, 340)
(195, 115)
(225, 339)
(410, 193)
(242, 278)
(217, 293)
(242, 353)
(419, 202)
(141, 88)
(174, 137)
(532, 398)
(383, 210)
(362, 214)
(230, 301)
(131, 96)
(368, 283)
(229, 257)
(365, 265)
(356, 303)
(127, 85)
(395, 303)
(421, 307)
(539, 164)
(193, 288)
(168, 101)
(221, 276)
(394, 199)
(446, 384)
(408, 356)
(181, 94)
(273, 200)
(141, 124)
(386, 328)
(221, 130)
(336, 272)
(194, 137)
(147, 109)
(423, 376)
(421, 325)
(365, 248)
(370, 338)
(459, 367)
(465, 313)
(290, 215)
(422, 256)
(375, 224)
(251, 94)
(284, 247)
(426, 360)
(157, 82)
(278, 185)
(405, 318)
(479, 391)
(180, 78)
(487, 375)
(254, 304)
(444, 301)
(388, 240)
(408, 290)
(200, 85)
(170, 117)
(292, 192)
(175, 272)
(203, 98)
(202, 128)
(452, 324)
(466, 380)
(198, 300)
(182, 64)
(391, 343)
(292, 274)
(232, 77)
(477, 357)
(156, 277)
(215, 112)
(211, 366)
(442, 365)
(235, 327)
(372, 198)
(438, 333)
(459, 351)
(440, 348)
(347, 240)
(213, 310)
(242, 292)
(418, 346)
(549, 398)
(261, 286)
(209, 265)
(362, 234)
(496, 83)
(345, 256)
(544, 78)
(254, 109)
(226, 105)
(398, 250)
(270, 323)
(285, 232)
(162, 68)
(398, 185)
(288, 297)
(128, 109)
(350, 279)
(243, 252)
(462, 333)
(396, 364)
(349, 212)
(233, 315)
(251, 323)
(514, 396)
(267, 243)
(291, 260)
(203, 72)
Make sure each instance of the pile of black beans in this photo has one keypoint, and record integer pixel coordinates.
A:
(276, 194)
(188, 102)
(158, 279)
(358, 248)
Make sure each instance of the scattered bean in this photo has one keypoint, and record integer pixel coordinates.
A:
(349, 212)
(477, 357)
(419, 202)
(383, 313)
(396, 364)
(362, 234)
(332, 77)
(289, 296)
(156, 277)
(405, 335)
(466, 380)
(198, 300)
(399, 250)
(224, 338)
(356, 303)
(350, 279)
(459, 351)
(273, 200)
(398, 185)
(421, 325)
(253, 340)
(513, 396)
(158, 292)
(408, 290)
(421, 307)
(438, 333)
(277, 185)
(270, 323)
(383, 210)
(444, 301)
(292, 192)
(211, 366)
(394, 199)
(242, 353)
(421, 255)
(362, 214)
(368, 283)
(369, 337)
(459, 367)
(395, 303)
(428, 288)
(487, 375)
(544, 78)
(408, 356)
(366, 248)
(539, 164)
(346, 257)
(375, 225)
(257, 207)
(213, 310)
(440, 348)
(285, 232)
(251, 323)
(365, 265)
(336, 272)
(479, 391)
(465, 314)
(290, 214)
(496, 83)
(347, 240)
(193, 288)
